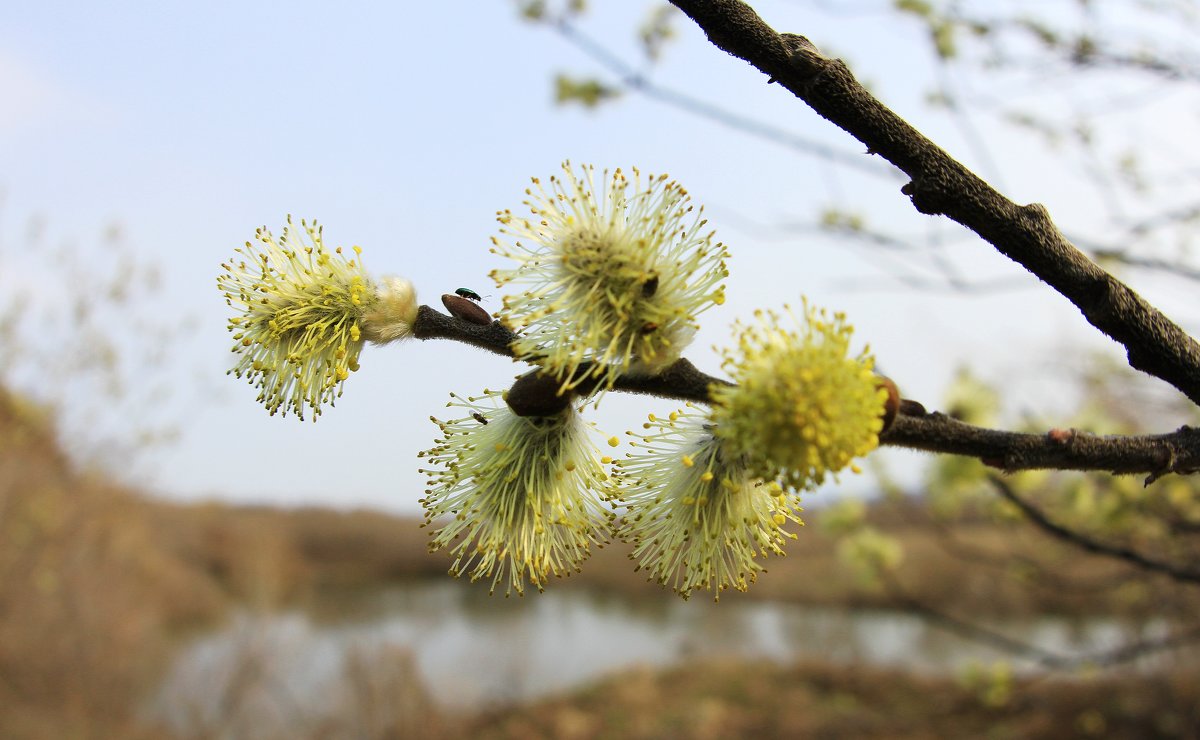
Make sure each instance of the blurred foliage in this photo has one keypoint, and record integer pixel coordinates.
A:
(835, 219)
(657, 30)
(862, 548)
(653, 34)
(941, 30)
(870, 554)
(1115, 400)
(1159, 521)
(90, 591)
(541, 10)
(87, 331)
(586, 92)
(992, 684)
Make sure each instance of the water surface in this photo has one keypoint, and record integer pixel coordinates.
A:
(469, 650)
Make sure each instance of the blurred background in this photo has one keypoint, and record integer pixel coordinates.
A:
(175, 562)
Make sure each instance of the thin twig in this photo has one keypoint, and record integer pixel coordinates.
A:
(634, 80)
(1045, 658)
(1045, 579)
(1084, 542)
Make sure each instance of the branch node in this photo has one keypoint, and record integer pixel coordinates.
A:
(1170, 462)
(1038, 213)
(537, 394)
(1060, 436)
(891, 406)
(806, 60)
(926, 197)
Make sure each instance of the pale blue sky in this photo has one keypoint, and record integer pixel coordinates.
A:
(404, 128)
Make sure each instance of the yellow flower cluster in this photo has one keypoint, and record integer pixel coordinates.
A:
(523, 494)
(611, 280)
(696, 515)
(303, 314)
(802, 407)
(299, 306)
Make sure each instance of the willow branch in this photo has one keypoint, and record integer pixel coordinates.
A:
(1047, 659)
(914, 428)
(939, 185)
(952, 542)
(682, 381)
(1082, 541)
(1059, 449)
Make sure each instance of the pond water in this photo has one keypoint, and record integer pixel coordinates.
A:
(469, 650)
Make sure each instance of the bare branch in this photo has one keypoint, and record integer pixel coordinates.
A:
(1045, 658)
(942, 186)
(1058, 449)
(681, 381)
(953, 543)
(634, 80)
(1082, 541)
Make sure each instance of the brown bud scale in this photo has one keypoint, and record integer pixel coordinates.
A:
(891, 406)
(466, 309)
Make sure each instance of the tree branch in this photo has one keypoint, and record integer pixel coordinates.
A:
(1047, 659)
(1057, 449)
(1084, 542)
(682, 381)
(940, 185)
(641, 83)
(914, 428)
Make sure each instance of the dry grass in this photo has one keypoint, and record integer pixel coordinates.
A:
(731, 700)
(97, 583)
(265, 557)
(89, 593)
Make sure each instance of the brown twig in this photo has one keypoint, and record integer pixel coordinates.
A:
(1084, 542)
(956, 544)
(914, 428)
(682, 381)
(1058, 449)
(1045, 658)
